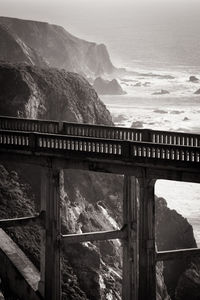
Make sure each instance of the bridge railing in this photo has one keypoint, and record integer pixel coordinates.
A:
(11, 123)
(107, 147)
(100, 131)
(175, 138)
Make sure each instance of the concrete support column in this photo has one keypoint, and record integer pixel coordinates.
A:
(147, 265)
(130, 246)
(50, 250)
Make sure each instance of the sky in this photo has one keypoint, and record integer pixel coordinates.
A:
(75, 15)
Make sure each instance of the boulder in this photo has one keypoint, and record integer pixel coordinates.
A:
(161, 92)
(106, 87)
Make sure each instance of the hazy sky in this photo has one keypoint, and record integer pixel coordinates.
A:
(74, 13)
(94, 20)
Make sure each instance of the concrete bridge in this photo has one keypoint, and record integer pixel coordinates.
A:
(142, 156)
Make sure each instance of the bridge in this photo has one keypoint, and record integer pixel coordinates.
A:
(142, 156)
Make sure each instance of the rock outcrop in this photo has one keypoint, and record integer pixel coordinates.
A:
(40, 43)
(178, 234)
(189, 283)
(32, 92)
(106, 87)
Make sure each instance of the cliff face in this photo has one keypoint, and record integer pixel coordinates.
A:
(172, 232)
(13, 49)
(33, 92)
(39, 42)
(189, 283)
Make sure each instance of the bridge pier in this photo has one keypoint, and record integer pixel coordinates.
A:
(147, 251)
(130, 245)
(50, 284)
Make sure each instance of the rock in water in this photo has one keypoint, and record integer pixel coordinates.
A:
(161, 92)
(106, 87)
(193, 79)
(197, 92)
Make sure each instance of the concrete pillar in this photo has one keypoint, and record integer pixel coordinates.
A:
(130, 246)
(50, 250)
(147, 266)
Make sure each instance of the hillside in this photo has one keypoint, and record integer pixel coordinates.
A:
(40, 44)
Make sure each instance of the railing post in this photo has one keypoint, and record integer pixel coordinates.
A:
(130, 246)
(50, 283)
(147, 262)
(147, 135)
(126, 149)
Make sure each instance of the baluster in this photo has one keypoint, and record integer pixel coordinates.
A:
(197, 156)
(154, 152)
(48, 143)
(115, 149)
(120, 150)
(111, 149)
(79, 145)
(139, 151)
(188, 155)
(162, 153)
(143, 152)
(135, 151)
(148, 152)
(181, 141)
(102, 148)
(52, 142)
(182, 155)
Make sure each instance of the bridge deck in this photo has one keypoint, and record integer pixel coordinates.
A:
(102, 142)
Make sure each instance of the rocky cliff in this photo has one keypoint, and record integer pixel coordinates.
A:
(172, 232)
(33, 92)
(91, 270)
(40, 44)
